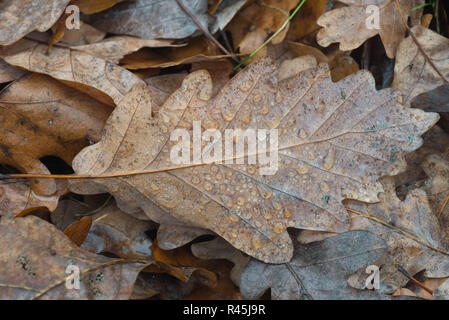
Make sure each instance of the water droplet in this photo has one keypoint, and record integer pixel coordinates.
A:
(208, 186)
(227, 116)
(257, 98)
(245, 86)
(287, 213)
(303, 169)
(278, 228)
(234, 234)
(276, 205)
(324, 187)
(278, 98)
(265, 109)
(329, 160)
(291, 223)
(265, 192)
(302, 133)
(219, 176)
(251, 170)
(240, 201)
(164, 129)
(256, 242)
(196, 180)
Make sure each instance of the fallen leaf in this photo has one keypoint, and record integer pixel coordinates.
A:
(317, 271)
(86, 34)
(17, 18)
(116, 232)
(149, 19)
(170, 237)
(100, 79)
(77, 231)
(113, 49)
(255, 23)
(413, 74)
(9, 73)
(335, 141)
(94, 6)
(42, 117)
(349, 25)
(36, 261)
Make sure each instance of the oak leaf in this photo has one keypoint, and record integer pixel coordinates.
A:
(18, 18)
(37, 257)
(335, 141)
(413, 74)
(349, 25)
(317, 271)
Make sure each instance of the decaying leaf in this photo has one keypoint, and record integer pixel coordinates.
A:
(114, 231)
(317, 271)
(148, 19)
(335, 141)
(17, 18)
(414, 237)
(100, 79)
(34, 266)
(413, 74)
(42, 117)
(352, 25)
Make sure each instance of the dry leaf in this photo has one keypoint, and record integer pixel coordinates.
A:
(9, 73)
(113, 49)
(255, 23)
(317, 271)
(42, 117)
(94, 6)
(149, 19)
(170, 237)
(17, 18)
(100, 79)
(198, 49)
(114, 231)
(37, 258)
(336, 140)
(77, 231)
(348, 25)
(17, 196)
(413, 74)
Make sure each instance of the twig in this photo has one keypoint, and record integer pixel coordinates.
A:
(273, 36)
(417, 43)
(205, 31)
(405, 273)
(443, 206)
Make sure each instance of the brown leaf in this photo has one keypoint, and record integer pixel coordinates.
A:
(113, 49)
(42, 117)
(94, 6)
(413, 74)
(335, 141)
(149, 19)
(255, 23)
(17, 18)
(170, 237)
(347, 25)
(100, 79)
(36, 261)
(77, 231)
(9, 73)
(114, 231)
(317, 271)
(198, 49)
(17, 196)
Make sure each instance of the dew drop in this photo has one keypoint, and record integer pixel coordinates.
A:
(324, 187)
(240, 201)
(278, 228)
(303, 169)
(196, 180)
(329, 160)
(256, 242)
